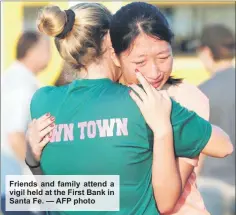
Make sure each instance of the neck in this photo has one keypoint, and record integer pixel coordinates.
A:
(98, 71)
(221, 65)
(29, 65)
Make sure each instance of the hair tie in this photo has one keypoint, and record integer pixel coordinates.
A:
(70, 14)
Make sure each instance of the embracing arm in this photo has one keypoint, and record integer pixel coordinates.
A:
(38, 136)
(166, 179)
(156, 107)
(39, 130)
(184, 94)
(192, 135)
(219, 145)
(216, 144)
(185, 170)
(31, 162)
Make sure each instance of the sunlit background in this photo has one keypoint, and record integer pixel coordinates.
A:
(186, 19)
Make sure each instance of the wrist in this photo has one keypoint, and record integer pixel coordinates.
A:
(163, 131)
(34, 165)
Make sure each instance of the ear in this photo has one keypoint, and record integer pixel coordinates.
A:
(108, 39)
(206, 52)
(114, 58)
(113, 55)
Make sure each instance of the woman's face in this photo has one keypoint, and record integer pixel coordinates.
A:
(151, 56)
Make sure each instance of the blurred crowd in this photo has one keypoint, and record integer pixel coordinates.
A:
(215, 48)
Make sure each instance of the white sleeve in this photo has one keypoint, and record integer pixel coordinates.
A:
(19, 110)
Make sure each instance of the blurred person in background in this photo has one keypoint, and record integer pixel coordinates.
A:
(217, 51)
(19, 83)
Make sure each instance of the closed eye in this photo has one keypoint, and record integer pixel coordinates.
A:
(164, 57)
(139, 63)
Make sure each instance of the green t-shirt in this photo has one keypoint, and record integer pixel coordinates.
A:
(110, 137)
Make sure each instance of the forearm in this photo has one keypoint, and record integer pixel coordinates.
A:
(32, 163)
(165, 176)
(200, 164)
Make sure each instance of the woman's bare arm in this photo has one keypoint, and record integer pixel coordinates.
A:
(184, 94)
(155, 105)
(219, 145)
(32, 163)
(166, 179)
(38, 136)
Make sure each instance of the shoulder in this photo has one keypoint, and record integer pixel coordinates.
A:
(117, 93)
(184, 91)
(192, 98)
(46, 99)
(50, 91)
(117, 98)
(187, 90)
(220, 79)
(44, 93)
(120, 89)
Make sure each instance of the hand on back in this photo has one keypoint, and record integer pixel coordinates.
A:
(39, 133)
